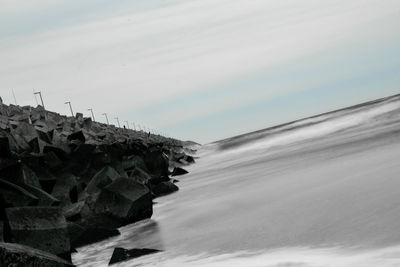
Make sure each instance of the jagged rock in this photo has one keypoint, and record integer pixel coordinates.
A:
(52, 161)
(65, 189)
(5, 150)
(81, 236)
(72, 212)
(16, 255)
(179, 171)
(121, 254)
(45, 199)
(13, 195)
(125, 200)
(157, 163)
(1, 231)
(79, 136)
(140, 176)
(134, 161)
(163, 188)
(44, 228)
(103, 178)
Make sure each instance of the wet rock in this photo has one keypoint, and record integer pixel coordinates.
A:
(44, 228)
(65, 189)
(77, 136)
(45, 199)
(179, 171)
(139, 176)
(23, 256)
(5, 150)
(121, 254)
(157, 163)
(163, 188)
(125, 200)
(81, 236)
(13, 195)
(103, 178)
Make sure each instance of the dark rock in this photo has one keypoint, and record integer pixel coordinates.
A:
(45, 199)
(164, 188)
(44, 228)
(125, 200)
(139, 176)
(13, 195)
(73, 211)
(4, 147)
(16, 255)
(179, 171)
(1, 231)
(157, 163)
(121, 254)
(81, 236)
(103, 178)
(77, 136)
(65, 189)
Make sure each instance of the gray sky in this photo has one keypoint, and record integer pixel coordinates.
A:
(200, 69)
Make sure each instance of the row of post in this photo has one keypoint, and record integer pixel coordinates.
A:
(135, 126)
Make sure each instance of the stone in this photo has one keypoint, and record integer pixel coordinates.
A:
(65, 189)
(157, 163)
(121, 254)
(13, 195)
(44, 228)
(16, 255)
(81, 236)
(79, 136)
(5, 150)
(102, 178)
(1, 231)
(139, 176)
(179, 171)
(44, 199)
(125, 200)
(163, 188)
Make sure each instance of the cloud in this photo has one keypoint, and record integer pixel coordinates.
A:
(151, 56)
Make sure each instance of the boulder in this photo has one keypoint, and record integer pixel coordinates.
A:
(1, 231)
(163, 188)
(12, 195)
(65, 189)
(139, 176)
(44, 198)
(157, 163)
(81, 236)
(121, 254)
(179, 171)
(101, 179)
(44, 228)
(125, 200)
(77, 136)
(23, 256)
(4, 147)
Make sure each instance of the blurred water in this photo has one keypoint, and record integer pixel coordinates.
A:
(324, 191)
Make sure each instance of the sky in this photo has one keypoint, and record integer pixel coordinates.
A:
(199, 70)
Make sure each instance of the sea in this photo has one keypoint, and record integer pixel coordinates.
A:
(320, 191)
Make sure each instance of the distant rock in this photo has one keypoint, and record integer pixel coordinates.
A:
(178, 171)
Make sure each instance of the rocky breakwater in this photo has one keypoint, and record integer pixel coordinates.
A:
(69, 181)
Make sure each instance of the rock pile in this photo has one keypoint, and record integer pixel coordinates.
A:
(69, 181)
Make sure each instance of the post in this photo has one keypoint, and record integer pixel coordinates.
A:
(70, 107)
(41, 99)
(119, 125)
(105, 114)
(91, 110)
(15, 99)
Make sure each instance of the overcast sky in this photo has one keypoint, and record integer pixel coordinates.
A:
(200, 69)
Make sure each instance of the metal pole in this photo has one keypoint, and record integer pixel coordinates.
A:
(105, 114)
(127, 124)
(15, 99)
(70, 107)
(41, 99)
(119, 125)
(91, 110)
